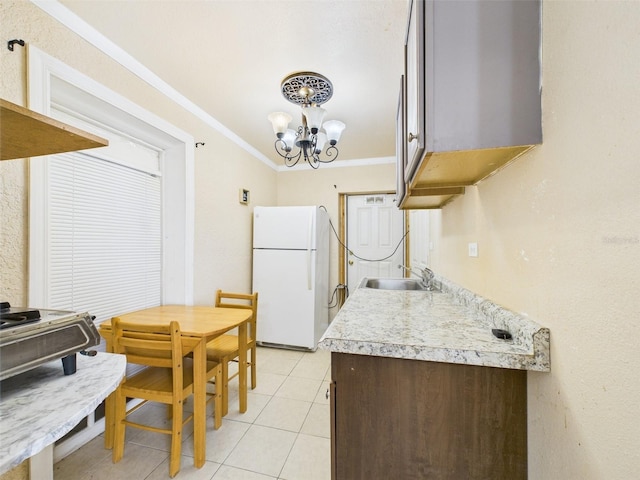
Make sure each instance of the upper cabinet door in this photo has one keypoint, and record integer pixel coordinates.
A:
(482, 74)
(473, 93)
(414, 87)
(401, 157)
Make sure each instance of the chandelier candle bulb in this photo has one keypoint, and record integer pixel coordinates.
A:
(280, 122)
(314, 116)
(289, 138)
(321, 139)
(334, 129)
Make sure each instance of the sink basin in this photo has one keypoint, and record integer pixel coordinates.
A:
(392, 284)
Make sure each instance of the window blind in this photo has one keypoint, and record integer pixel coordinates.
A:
(105, 236)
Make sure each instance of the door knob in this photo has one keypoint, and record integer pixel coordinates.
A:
(412, 137)
(350, 262)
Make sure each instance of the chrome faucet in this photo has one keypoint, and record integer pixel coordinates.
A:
(425, 274)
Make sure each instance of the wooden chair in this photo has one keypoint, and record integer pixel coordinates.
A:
(224, 349)
(214, 376)
(167, 378)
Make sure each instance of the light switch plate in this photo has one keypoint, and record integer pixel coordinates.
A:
(244, 196)
(473, 249)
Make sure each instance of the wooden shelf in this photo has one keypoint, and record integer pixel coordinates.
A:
(24, 133)
(426, 198)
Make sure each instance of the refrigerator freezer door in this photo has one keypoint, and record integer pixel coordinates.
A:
(287, 307)
(284, 227)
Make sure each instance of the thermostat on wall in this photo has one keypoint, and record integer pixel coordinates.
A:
(244, 196)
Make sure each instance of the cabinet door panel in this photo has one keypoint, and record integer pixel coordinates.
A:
(412, 419)
(414, 82)
(332, 406)
(401, 156)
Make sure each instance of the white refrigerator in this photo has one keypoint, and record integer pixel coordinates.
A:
(291, 275)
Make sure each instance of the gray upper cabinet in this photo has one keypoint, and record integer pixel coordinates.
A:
(400, 146)
(414, 88)
(472, 92)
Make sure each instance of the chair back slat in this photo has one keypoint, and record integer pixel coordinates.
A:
(150, 345)
(241, 300)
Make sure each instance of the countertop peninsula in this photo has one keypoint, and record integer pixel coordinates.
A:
(452, 325)
(42, 405)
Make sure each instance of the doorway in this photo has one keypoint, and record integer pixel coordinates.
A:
(374, 237)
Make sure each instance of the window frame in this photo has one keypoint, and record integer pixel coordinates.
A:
(48, 77)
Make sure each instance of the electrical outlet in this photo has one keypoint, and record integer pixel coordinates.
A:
(473, 249)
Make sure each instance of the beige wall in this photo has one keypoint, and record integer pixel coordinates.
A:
(324, 186)
(223, 225)
(559, 240)
(223, 235)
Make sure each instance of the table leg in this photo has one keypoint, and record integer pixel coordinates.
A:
(41, 464)
(199, 402)
(109, 409)
(242, 373)
(109, 413)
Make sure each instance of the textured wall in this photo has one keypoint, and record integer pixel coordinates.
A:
(559, 239)
(13, 173)
(13, 232)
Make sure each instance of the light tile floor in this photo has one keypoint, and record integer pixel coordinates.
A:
(284, 434)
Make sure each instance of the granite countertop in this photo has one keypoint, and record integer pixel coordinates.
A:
(452, 326)
(42, 405)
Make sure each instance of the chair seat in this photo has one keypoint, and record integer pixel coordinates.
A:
(158, 379)
(225, 349)
(222, 346)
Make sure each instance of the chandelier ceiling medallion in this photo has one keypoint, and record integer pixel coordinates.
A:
(309, 90)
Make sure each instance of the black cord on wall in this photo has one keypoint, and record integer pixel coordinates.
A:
(362, 258)
(341, 291)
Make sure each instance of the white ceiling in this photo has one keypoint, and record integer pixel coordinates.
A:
(229, 57)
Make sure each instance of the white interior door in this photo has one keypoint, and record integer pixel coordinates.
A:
(375, 231)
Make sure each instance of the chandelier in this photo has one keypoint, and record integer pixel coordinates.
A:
(309, 90)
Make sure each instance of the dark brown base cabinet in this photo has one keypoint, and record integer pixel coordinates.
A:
(408, 419)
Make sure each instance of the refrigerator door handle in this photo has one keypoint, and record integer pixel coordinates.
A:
(309, 243)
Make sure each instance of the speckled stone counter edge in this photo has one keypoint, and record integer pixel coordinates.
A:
(42, 405)
(526, 332)
(532, 340)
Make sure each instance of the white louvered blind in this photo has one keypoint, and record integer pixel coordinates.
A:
(105, 236)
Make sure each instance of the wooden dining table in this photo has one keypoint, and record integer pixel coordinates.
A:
(203, 323)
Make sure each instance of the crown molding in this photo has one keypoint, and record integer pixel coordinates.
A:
(77, 25)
